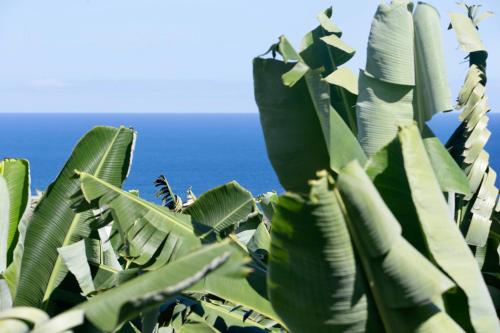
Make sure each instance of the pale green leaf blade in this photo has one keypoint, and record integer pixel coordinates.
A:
(433, 94)
(386, 94)
(12, 273)
(467, 34)
(450, 177)
(5, 296)
(75, 258)
(390, 44)
(344, 78)
(32, 315)
(261, 239)
(61, 323)
(344, 146)
(381, 109)
(13, 326)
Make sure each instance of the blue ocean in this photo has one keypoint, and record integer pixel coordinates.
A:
(198, 150)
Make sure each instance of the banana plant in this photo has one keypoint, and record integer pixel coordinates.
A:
(110, 310)
(209, 252)
(299, 90)
(152, 236)
(408, 175)
(61, 218)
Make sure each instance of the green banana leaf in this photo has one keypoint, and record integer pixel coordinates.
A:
(293, 135)
(432, 91)
(14, 197)
(222, 209)
(156, 235)
(323, 48)
(17, 175)
(404, 177)
(4, 222)
(339, 137)
(385, 98)
(74, 257)
(314, 283)
(467, 33)
(5, 296)
(405, 76)
(267, 203)
(11, 275)
(108, 310)
(60, 219)
(151, 235)
(261, 240)
(249, 292)
(297, 151)
(406, 287)
(450, 176)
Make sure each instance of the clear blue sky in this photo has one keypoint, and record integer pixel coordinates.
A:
(173, 56)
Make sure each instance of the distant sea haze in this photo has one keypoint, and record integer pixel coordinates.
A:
(198, 150)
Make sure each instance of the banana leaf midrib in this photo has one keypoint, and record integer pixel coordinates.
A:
(226, 217)
(136, 200)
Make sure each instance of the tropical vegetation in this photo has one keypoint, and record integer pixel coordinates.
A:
(382, 228)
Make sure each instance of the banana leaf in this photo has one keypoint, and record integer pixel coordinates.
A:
(404, 177)
(432, 90)
(17, 175)
(298, 150)
(405, 76)
(108, 310)
(151, 235)
(406, 287)
(61, 217)
(309, 234)
(249, 292)
(293, 135)
(5, 296)
(323, 48)
(222, 209)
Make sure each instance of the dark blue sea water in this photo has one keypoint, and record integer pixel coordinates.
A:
(198, 150)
